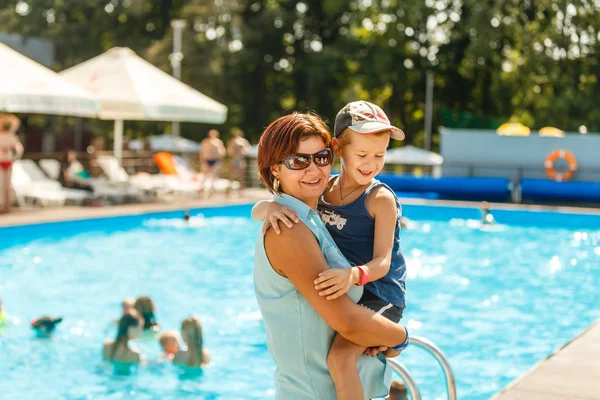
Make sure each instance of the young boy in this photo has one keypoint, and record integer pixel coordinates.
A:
(169, 341)
(363, 216)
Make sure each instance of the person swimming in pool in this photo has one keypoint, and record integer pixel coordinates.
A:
(486, 216)
(45, 326)
(145, 307)
(196, 355)
(4, 317)
(169, 342)
(131, 326)
(212, 151)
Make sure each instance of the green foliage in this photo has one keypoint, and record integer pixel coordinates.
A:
(532, 61)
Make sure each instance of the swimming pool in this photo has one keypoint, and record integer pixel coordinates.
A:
(496, 301)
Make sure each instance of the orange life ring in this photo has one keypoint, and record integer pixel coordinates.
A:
(551, 160)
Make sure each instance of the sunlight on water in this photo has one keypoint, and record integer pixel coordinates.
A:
(496, 299)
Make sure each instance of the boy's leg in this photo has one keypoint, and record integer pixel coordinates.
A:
(342, 362)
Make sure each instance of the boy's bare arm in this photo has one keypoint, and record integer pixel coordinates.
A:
(259, 211)
(271, 212)
(382, 205)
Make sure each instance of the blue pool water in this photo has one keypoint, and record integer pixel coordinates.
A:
(496, 301)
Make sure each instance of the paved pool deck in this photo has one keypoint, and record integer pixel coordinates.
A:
(572, 372)
(66, 213)
(251, 195)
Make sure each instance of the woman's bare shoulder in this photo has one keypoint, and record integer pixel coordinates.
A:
(299, 233)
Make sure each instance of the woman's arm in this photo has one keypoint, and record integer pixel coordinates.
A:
(296, 255)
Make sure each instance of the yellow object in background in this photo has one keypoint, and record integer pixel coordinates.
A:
(513, 129)
(550, 131)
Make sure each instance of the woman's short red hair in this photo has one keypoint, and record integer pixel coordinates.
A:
(282, 138)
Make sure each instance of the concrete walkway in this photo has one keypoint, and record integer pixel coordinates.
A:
(570, 373)
(66, 213)
(251, 195)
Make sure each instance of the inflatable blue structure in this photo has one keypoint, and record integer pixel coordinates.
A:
(545, 190)
(450, 188)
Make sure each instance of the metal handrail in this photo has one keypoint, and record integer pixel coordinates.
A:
(435, 351)
(411, 385)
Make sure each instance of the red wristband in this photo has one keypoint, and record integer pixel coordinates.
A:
(364, 276)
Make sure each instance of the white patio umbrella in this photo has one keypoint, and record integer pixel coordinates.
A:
(413, 156)
(171, 143)
(130, 88)
(29, 87)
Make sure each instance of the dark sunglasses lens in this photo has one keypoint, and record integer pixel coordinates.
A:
(297, 161)
(323, 158)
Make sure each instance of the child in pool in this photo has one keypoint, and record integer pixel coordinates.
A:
(169, 341)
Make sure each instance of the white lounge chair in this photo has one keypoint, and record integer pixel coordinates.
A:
(162, 184)
(39, 191)
(114, 192)
(186, 173)
(39, 180)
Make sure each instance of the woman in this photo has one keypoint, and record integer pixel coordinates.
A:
(145, 306)
(294, 161)
(10, 150)
(131, 326)
(195, 355)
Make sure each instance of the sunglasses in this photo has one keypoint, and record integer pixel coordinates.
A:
(301, 161)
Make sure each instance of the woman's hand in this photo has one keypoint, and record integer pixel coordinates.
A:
(335, 282)
(388, 352)
(276, 212)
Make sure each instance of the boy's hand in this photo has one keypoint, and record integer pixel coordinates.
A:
(276, 212)
(335, 282)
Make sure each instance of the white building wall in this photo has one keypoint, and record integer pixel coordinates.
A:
(484, 153)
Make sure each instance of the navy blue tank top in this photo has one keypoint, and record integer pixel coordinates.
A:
(353, 229)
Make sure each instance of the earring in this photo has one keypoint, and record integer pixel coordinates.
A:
(276, 185)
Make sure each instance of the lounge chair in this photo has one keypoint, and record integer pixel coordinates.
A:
(33, 188)
(104, 189)
(176, 166)
(161, 184)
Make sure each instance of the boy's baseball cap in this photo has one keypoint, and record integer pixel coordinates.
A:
(364, 117)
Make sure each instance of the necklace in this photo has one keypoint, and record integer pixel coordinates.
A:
(349, 193)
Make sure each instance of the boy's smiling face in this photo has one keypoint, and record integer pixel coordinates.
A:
(363, 155)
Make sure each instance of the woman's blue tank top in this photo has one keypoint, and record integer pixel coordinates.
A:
(298, 338)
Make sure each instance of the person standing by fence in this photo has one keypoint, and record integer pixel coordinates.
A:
(237, 150)
(10, 150)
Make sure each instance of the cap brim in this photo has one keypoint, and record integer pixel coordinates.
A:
(373, 127)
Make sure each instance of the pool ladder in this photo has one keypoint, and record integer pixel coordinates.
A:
(431, 348)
